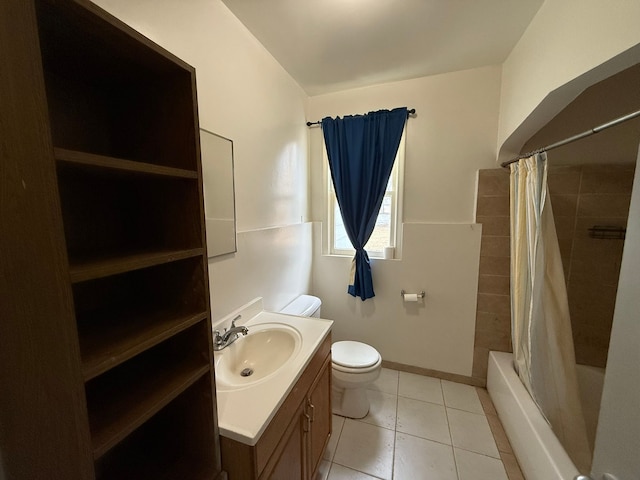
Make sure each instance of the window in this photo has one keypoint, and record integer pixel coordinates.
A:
(387, 231)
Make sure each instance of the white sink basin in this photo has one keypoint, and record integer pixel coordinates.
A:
(255, 357)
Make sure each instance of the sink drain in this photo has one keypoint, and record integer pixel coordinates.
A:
(246, 372)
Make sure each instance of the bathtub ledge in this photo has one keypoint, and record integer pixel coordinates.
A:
(539, 453)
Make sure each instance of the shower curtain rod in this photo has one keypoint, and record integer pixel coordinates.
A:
(409, 112)
(579, 136)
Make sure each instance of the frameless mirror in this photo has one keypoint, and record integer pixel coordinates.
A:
(219, 200)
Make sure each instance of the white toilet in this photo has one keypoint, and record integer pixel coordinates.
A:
(354, 365)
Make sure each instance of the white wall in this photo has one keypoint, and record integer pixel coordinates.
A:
(569, 45)
(618, 434)
(244, 95)
(452, 136)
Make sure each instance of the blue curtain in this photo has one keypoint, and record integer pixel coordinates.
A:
(361, 151)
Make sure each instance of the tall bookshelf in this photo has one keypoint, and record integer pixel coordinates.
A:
(106, 331)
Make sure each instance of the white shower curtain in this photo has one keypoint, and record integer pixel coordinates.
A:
(540, 323)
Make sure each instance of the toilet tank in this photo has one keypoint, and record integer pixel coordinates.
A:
(304, 306)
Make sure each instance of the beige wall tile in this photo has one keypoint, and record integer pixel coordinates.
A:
(558, 169)
(480, 362)
(493, 183)
(493, 205)
(604, 250)
(494, 225)
(497, 284)
(596, 205)
(610, 180)
(493, 340)
(493, 321)
(564, 182)
(495, 265)
(589, 297)
(566, 247)
(565, 226)
(500, 172)
(498, 304)
(591, 336)
(607, 268)
(495, 246)
(564, 205)
(592, 356)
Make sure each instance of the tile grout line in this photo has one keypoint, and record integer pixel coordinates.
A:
(395, 431)
(453, 448)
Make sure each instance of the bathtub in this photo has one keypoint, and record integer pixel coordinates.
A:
(539, 453)
(590, 381)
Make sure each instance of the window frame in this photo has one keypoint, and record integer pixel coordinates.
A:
(396, 192)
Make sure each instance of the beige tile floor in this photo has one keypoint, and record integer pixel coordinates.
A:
(421, 428)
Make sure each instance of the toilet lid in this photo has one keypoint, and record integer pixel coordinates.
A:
(354, 354)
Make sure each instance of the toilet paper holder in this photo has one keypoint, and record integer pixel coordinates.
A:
(420, 295)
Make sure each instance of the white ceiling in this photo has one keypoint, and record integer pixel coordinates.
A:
(332, 45)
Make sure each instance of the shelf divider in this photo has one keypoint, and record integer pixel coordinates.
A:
(105, 344)
(73, 157)
(89, 269)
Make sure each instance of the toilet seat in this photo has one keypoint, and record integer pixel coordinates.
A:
(354, 357)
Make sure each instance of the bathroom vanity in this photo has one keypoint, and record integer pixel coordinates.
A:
(277, 426)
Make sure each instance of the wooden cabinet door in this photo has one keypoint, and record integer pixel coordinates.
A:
(290, 464)
(318, 407)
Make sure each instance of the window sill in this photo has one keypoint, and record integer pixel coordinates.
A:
(371, 257)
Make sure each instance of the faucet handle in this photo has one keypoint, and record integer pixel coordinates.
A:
(233, 322)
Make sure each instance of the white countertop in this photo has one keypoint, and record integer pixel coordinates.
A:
(244, 413)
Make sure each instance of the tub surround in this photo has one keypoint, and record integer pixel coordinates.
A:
(581, 196)
(240, 417)
(493, 313)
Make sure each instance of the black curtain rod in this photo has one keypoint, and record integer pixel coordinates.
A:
(409, 112)
(579, 136)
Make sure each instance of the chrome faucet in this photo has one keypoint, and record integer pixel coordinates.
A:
(226, 338)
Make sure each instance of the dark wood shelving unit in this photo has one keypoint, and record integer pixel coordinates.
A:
(108, 332)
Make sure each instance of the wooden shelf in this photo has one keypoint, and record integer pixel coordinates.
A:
(91, 160)
(160, 451)
(90, 269)
(139, 400)
(105, 344)
(147, 468)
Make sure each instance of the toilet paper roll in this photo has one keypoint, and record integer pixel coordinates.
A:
(389, 252)
(410, 297)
